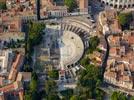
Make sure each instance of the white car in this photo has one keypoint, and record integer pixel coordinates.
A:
(93, 21)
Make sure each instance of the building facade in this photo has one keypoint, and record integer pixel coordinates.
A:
(83, 5)
(119, 3)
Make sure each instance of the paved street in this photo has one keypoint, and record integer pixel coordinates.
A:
(96, 7)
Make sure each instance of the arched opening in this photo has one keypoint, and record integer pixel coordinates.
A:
(111, 5)
(115, 6)
(72, 65)
(125, 6)
(129, 6)
(103, 2)
(107, 3)
(120, 6)
(68, 66)
(132, 5)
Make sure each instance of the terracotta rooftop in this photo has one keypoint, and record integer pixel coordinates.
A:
(21, 95)
(10, 87)
(15, 65)
(25, 76)
(109, 17)
(2, 97)
(111, 74)
(2, 0)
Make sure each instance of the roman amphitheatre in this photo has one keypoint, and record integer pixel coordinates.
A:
(66, 42)
(71, 48)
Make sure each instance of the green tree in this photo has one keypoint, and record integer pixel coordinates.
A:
(34, 37)
(33, 85)
(71, 4)
(34, 82)
(27, 96)
(118, 96)
(35, 32)
(84, 92)
(3, 6)
(27, 68)
(125, 19)
(90, 76)
(53, 96)
(132, 98)
(75, 97)
(34, 76)
(85, 61)
(93, 43)
(89, 80)
(67, 93)
(53, 74)
(99, 94)
(35, 96)
(50, 86)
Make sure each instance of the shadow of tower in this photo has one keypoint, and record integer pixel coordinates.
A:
(38, 9)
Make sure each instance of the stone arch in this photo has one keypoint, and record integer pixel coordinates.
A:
(115, 6)
(129, 6)
(68, 66)
(107, 3)
(125, 6)
(111, 5)
(72, 65)
(120, 6)
(103, 2)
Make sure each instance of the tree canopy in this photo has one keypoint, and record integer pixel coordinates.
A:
(89, 76)
(32, 93)
(33, 83)
(35, 32)
(93, 43)
(3, 6)
(50, 86)
(125, 19)
(89, 80)
(33, 38)
(53, 74)
(27, 96)
(75, 97)
(85, 61)
(53, 96)
(67, 93)
(132, 98)
(71, 4)
(118, 96)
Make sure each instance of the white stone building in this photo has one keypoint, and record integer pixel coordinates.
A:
(119, 3)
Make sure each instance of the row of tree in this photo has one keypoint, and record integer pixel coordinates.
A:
(116, 95)
(3, 6)
(71, 4)
(49, 92)
(31, 93)
(125, 19)
(89, 79)
(34, 37)
(89, 82)
(93, 43)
